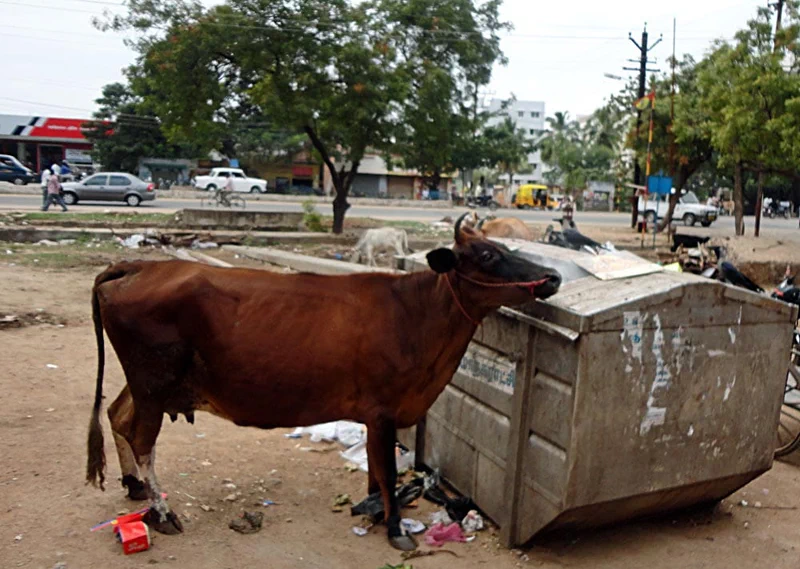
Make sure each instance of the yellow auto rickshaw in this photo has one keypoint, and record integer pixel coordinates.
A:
(535, 195)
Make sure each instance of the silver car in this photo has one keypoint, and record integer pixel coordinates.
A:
(109, 186)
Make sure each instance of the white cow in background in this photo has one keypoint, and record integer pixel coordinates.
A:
(377, 239)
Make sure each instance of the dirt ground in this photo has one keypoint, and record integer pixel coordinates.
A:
(46, 511)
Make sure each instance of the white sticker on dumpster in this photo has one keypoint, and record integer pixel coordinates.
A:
(633, 328)
(489, 367)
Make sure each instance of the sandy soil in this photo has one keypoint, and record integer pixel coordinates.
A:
(46, 511)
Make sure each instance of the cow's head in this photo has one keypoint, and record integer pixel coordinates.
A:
(492, 273)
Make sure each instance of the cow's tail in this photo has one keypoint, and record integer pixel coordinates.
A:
(96, 461)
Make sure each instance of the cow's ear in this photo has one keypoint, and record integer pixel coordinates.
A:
(442, 260)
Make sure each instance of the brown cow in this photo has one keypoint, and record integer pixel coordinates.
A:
(270, 350)
(506, 227)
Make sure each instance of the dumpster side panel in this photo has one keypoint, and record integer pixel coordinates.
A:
(467, 429)
(546, 455)
(669, 413)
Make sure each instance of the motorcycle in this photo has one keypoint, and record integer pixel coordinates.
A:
(776, 209)
(482, 201)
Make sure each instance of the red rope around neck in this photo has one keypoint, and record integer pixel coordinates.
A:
(530, 285)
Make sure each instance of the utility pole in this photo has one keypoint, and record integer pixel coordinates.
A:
(642, 69)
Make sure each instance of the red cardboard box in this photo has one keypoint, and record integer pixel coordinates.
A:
(134, 536)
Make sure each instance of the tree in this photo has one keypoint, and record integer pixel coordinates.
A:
(122, 131)
(682, 146)
(753, 92)
(579, 153)
(445, 52)
(320, 67)
(507, 147)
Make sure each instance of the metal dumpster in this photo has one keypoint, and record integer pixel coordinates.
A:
(613, 399)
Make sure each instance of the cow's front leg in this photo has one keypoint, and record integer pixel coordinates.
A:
(381, 437)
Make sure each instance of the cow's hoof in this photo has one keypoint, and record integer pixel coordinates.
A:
(136, 488)
(403, 542)
(171, 526)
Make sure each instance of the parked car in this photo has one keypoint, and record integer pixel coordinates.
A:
(109, 186)
(218, 177)
(12, 170)
(688, 209)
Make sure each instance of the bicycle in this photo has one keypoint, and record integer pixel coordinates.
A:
(788, 439)
(224, 199)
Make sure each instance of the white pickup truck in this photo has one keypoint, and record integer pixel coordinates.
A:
(689, 210)
(218, 178)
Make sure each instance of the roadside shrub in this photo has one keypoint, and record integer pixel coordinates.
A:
(311, 217)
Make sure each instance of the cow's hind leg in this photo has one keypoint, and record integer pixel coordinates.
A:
(146, 426)
(120, 414)
(381, 437)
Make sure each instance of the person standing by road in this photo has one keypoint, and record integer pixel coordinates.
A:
(45, 177)
(54, 193)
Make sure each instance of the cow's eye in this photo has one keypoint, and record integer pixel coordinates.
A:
(486, 256)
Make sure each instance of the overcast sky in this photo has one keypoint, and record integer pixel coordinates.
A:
(55, 63)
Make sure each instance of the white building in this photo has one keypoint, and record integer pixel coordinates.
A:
(530, 117)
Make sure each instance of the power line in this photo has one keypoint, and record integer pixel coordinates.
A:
(26, 5)
(44, 104)
(54, 83)
(297, 23)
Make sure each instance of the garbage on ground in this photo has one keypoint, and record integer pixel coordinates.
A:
(439, 534)
(472, 522)
(354, 437)
(401, 566)
(372, 505)
(52, 366)
(197, 244)
(457, 508)
(249, 522)
(134, 537)
(266, 503)
(357, 454)
(340, 501)
(412, 526)
(131, 531)
(346, 432)
(359, 531)
(47, 243)
(441, 517)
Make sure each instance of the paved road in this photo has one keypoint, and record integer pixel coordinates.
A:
(777, 227)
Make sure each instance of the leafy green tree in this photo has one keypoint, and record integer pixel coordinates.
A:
(753, 101)
(579, 153)
(345, 74)
(122, 132)
(445, 53)
(680, 147)
(321, 67)
(507, 147)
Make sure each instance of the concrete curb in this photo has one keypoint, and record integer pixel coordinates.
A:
(304, 263)
(19, 234)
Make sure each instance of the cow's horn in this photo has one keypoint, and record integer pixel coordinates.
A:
(458, 236)
(480, 224)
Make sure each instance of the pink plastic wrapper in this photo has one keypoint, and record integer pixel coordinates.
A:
(439, 534)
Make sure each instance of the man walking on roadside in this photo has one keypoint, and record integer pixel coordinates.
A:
(54, 193)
